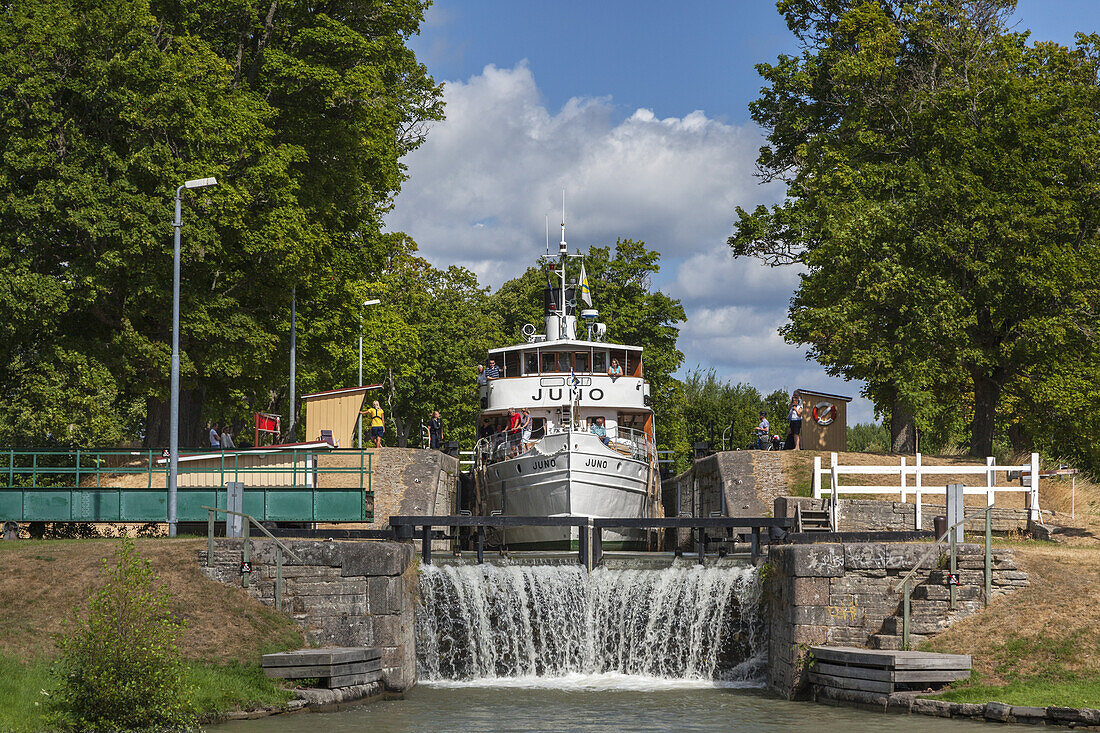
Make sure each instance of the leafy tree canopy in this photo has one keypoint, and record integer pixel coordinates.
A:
(942, 190)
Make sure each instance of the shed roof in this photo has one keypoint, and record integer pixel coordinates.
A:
(824, 394)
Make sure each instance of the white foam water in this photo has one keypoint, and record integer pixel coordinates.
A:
(556, 624)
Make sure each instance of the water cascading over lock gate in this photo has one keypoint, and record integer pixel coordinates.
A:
(484, 621)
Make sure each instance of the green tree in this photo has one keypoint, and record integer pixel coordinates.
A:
(121, 670)
(942, 182)
(302, 112)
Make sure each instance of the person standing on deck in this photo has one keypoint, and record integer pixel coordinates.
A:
(493, 372)
(482, 380)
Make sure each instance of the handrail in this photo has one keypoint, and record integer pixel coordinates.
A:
(925, 556)
(258, 525)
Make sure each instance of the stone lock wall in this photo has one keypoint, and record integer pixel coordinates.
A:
(843, 594)
(340, 593)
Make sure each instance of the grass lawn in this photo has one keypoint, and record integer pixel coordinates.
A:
(1041, 645)
(218, 688)
(47, 583)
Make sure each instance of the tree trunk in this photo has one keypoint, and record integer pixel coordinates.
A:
(903, 431)
(158, 412)
(987, 392)
(1020, 439)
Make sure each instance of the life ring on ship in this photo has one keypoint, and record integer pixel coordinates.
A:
(824, 413)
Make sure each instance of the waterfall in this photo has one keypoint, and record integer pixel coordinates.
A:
(478, 621)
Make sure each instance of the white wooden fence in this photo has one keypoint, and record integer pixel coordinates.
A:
(826, 482)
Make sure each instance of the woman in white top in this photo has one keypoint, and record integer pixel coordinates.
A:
(795, 416)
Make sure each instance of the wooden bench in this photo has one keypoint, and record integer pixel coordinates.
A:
(334, 666)
(883, 671)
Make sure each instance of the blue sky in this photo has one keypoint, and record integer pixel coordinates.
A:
(640, 111)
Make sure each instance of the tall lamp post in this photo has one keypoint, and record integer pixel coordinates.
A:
(373, 301)
(174, 413)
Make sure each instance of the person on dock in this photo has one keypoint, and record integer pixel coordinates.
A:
(227, 439)
(763, 429)
(377, 419)
(215, 436)
(435, 431)
(795, 416)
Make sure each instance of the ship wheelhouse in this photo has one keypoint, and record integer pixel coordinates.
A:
(566, 386)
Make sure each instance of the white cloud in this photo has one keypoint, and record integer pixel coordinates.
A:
(481, 185)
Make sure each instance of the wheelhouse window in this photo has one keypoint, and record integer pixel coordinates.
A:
(531, 362)
(511, 364)
(580, 362)
(549, 361)
(599, 362)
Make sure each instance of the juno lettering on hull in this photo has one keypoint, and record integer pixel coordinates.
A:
(596, 463)
(546, 463)
(555, 394)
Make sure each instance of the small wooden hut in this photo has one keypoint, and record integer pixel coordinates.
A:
(824, 421)
(335, 411)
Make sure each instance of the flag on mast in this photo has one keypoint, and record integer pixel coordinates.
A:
(586, 291)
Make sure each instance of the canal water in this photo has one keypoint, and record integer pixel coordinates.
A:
(552, 647)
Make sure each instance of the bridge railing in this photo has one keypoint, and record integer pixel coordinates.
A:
(308, 483)
(912, 479)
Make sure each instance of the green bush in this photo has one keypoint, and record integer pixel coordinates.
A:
(868, 438)
(121, 669)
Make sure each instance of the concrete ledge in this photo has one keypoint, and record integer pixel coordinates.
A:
(319, 698)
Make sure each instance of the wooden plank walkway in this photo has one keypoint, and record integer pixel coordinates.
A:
(334, 666)
(884, 671)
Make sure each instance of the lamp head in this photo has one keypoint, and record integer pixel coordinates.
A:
(201, 182)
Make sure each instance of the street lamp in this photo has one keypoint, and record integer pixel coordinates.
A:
(174, 413)
(372, 301)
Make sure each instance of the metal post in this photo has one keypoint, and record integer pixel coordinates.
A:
(952, 585)
(1033, 514)
(210, 539)
(755, 543)
(426, 545)
(701, 543)
(597, 546)
(480, 544)
(278, 577)
(246, 552)
(582, 545)
(988, 553)
(916, 512)
(359, 420)
(293, 357)
(174, 409)
(990, 481)
(834, 510)
(905, 619)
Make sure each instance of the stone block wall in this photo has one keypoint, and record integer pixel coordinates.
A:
(340, 593)
(870, 515)
(405, 481)
(842, 594)
(701, 489)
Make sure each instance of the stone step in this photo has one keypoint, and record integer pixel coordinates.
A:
(893, 642)
(943, 593)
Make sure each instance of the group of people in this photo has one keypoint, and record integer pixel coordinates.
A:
(794, 433)
(376, 421)
(221, 438)
(516, 433)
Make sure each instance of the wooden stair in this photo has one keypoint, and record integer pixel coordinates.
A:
(811, 520)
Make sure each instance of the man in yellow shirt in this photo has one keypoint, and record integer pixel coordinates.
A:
(377, 422)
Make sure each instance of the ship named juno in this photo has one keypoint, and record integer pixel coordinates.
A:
(588, 449)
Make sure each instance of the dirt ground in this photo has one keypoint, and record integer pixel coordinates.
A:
(1048, 629)
(48, 582)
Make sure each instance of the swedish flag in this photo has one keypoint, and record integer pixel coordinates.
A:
(586, 291)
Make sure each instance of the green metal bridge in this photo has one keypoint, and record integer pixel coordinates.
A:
(308, 483)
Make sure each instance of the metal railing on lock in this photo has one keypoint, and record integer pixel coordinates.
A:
(918, 471)
(246, 550)
(904, 585)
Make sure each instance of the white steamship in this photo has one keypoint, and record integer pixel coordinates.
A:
(566, 378)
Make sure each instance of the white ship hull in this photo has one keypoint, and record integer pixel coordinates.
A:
(569, 474)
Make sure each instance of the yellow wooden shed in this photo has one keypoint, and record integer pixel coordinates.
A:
(335, 410)
(824, 421)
